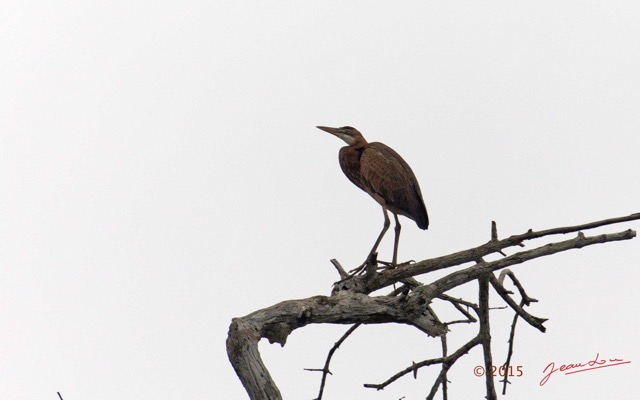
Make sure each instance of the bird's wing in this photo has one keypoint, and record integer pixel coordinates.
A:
(390, 177)
(384, 171)
(350, 163)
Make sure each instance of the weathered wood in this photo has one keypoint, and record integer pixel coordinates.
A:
(368, 284)
(485, 334)
(350, 303)
(275, 323)
(242, 349)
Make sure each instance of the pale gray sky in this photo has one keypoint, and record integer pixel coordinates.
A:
(161, 173)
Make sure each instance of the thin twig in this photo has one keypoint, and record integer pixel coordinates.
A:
(494, 235)
(449, 360)
(443, 340)
(524, 301)
(457, 304)
(449, 363)
(507, 363)
(455, 300)
(507, 272)
(536, 322)
(325, 370)
(494, 231)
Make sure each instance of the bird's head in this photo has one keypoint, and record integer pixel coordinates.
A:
(350, 135)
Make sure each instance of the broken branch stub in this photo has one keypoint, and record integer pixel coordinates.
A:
(351, 303)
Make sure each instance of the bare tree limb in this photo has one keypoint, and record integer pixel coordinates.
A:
(524, 301)
(494, 236)
(350, 304)
(523, 294)
(536, 322)
(448, 361)
(443, 371)
(343, 274)
(242, 349)
(365, 284)
(507, 363)
(275, 323)
(466, 275)
(325, 370)
(485, 334)
(457, 304)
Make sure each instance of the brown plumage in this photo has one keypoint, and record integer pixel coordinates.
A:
(378, 170)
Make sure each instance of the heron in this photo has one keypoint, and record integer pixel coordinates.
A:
(378, 170)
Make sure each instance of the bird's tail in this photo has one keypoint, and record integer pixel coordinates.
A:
(419, 211)
(422, 218)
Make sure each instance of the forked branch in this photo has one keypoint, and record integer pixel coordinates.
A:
(351, 304)
(365, 284)
(325, 370)
(447, 361)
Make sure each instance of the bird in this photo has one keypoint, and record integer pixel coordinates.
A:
(382, 173)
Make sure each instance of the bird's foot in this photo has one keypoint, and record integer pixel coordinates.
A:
(372, 264)
(359, 270)
(369, 265)
(392, 265)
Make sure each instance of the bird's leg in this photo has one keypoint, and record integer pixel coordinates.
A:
(372, 254)
(385, 227)
(396, 241)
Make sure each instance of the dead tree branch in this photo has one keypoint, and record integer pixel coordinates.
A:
(445, 361)
(523, 294)
(485, 335)
(536, 322)
(457, 304)
(275, 323)
(474, 272)
(350, 303)
(524, 301)
(443, 370)
(367, 284)
(325, 370)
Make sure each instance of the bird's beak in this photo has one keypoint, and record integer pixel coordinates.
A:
(333, 131)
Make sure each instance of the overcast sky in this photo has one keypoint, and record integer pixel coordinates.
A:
(161, 173)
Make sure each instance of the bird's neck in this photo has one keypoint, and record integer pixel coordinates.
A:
(359, 144)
